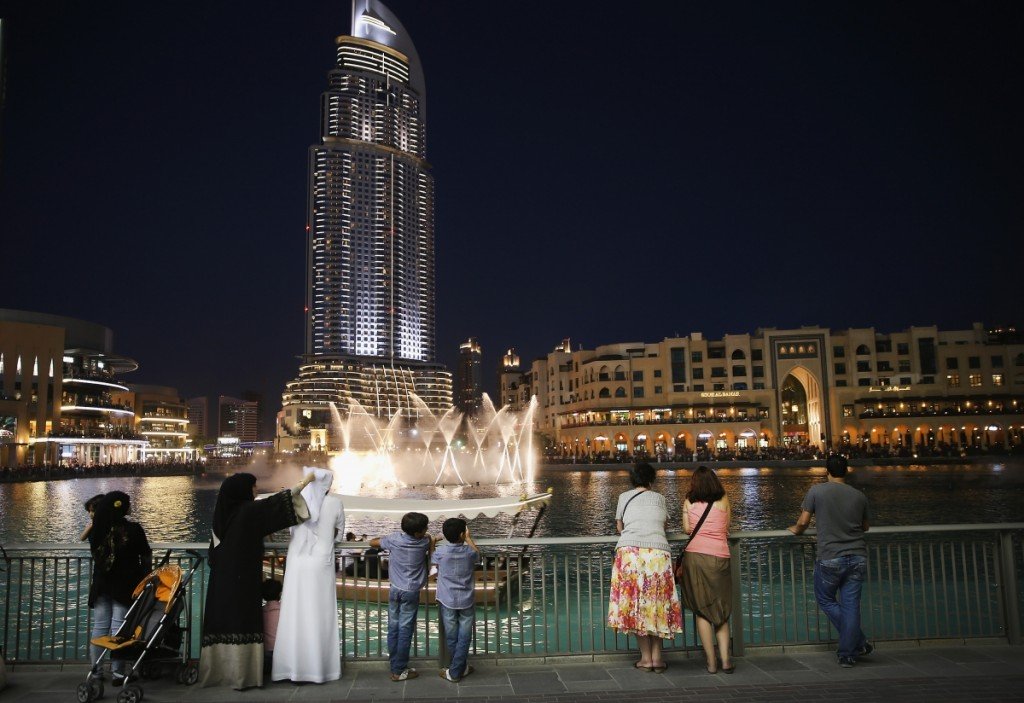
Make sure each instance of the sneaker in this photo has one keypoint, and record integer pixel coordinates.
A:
(405, 675)
(847, 662)
(867, 649)
(446, 675)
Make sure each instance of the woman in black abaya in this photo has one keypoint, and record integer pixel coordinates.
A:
(232, 651)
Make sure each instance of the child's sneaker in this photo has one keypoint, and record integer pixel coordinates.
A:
(405, 675)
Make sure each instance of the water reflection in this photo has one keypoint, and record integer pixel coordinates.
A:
(179, 508)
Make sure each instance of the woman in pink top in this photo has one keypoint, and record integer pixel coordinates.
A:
(707, 583)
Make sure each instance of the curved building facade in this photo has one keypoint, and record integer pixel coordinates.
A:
(370, 234)
(59, 393)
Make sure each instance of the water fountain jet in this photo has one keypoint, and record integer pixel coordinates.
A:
(368, 452)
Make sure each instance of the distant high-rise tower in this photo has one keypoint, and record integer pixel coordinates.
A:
(370, 234)
(469, 391)
(237, 418)
(198, 417)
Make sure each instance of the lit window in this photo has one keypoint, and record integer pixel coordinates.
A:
(953, 380)
(997, 379)
(975, 380)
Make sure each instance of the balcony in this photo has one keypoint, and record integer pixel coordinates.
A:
(872, 413)
(673, 420)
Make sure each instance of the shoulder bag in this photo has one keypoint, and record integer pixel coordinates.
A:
(679, 568)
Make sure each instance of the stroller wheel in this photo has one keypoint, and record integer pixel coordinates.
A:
(85, 693)
(130, 694)
(190, 675)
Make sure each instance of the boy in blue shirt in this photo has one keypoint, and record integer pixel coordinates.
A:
(456, 575)
(409, 551)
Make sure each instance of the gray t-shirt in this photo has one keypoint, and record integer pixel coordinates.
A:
(839, 511)
(643, 520)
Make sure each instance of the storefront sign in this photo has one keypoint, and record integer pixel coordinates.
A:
(720, 394)
(888, 389)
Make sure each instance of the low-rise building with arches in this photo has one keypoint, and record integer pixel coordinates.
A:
(809, 387)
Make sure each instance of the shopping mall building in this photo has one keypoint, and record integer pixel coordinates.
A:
(809, 386)
(62, 400)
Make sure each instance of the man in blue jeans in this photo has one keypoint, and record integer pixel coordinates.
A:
(841, 517)
(456, 581)
(408, 552)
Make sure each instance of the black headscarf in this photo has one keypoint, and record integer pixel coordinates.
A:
(235, 492)
(110, 510)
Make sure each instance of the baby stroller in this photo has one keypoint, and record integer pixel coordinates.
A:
(151, 636)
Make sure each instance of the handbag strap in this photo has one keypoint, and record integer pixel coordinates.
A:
(628, 502)
(707, 511)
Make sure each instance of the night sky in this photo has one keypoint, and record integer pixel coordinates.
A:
(603, 172)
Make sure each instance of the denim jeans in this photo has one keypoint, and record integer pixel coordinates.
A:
(837, 586)
(402, 609)
(107, 617)
(458, 633)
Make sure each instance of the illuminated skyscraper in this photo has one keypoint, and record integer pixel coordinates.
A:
(370, 247)
(469, 389)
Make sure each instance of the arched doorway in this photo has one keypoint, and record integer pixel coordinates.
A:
(747, 439)
(800, 409)
(683, 447)
(621, 444)
(662, 445)
(704, 439)
(640, 444)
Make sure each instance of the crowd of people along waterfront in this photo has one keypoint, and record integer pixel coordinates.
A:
(257, 628)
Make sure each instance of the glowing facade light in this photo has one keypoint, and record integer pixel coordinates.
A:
(95, 409)
(90, 382)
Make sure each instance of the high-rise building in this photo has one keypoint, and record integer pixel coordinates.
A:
(469, 390)
(199, 417)
(370, 237)
(256, 397)
(236, 418)
(509, 380)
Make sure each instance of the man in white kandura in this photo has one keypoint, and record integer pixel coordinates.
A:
(307, 647)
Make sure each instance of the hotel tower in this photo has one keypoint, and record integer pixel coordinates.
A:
(370, 237)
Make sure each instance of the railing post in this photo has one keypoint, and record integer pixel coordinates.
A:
(737, 598)
(1008, 575)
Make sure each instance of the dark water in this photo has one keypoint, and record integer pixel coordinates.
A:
(180, 508)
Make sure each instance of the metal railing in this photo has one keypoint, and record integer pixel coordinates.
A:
(549, 596)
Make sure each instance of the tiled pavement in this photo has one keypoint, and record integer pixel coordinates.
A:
(892, 673)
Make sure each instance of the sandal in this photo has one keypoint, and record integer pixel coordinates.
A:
(641, 667)
(659, 668)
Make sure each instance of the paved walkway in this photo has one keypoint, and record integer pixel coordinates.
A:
(892, 673)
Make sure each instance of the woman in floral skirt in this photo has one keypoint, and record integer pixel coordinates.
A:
(644, 602)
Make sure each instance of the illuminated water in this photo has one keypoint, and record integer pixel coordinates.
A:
(179, 508)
